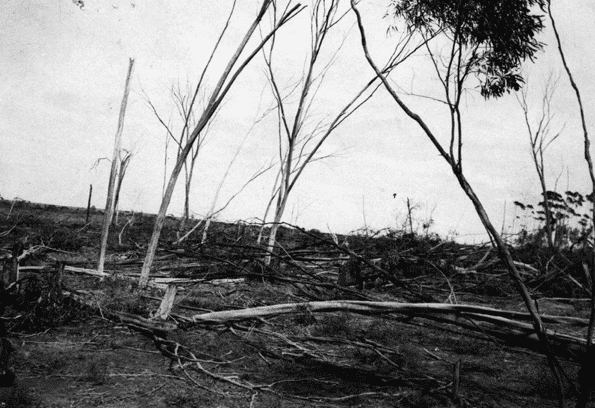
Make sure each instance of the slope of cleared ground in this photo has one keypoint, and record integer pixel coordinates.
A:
(74, 349)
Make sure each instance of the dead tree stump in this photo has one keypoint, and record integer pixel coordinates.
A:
(350, 274)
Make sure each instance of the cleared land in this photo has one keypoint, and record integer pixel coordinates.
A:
(89, 342)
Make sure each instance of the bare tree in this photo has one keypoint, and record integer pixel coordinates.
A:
(186, 105)
(299, 137)
(588, 367)
(122, 162)
(213, 211)
(540, 138)
(216, 97)
(123, 166)
(485, 41)
(165, 156)
(109, 206)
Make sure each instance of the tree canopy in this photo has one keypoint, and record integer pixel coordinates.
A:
(499, 33)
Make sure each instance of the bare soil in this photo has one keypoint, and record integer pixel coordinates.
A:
(302, 360)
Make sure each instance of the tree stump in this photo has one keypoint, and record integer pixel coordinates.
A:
(13, 271)
(350, 274)
(167, 303)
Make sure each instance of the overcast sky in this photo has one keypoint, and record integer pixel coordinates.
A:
(63, 68)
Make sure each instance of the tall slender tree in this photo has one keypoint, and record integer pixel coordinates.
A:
(480, 42)
(226, 80)
(588, 367)
(540, 138)
(115, 169)
(186, 104)
(300, 138)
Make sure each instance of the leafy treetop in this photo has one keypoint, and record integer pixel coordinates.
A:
(501, 33)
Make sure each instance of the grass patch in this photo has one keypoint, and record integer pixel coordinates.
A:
(96, 370)
(121, 295)
(336, 325)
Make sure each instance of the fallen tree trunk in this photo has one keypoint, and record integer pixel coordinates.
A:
(509, 326)
(368, 307)
(568, 347)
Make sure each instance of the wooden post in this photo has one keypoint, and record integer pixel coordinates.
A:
(409, 216)
(89, 203)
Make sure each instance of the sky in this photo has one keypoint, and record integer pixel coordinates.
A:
(63, 68)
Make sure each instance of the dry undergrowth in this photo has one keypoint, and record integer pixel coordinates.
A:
(83, 356)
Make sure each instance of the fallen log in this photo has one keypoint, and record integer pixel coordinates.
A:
(505, 325)
(509, 326)
(571, 349)
(372, 307)
(85, 271)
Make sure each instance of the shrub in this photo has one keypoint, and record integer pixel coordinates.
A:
(120, 295)
(42, 305)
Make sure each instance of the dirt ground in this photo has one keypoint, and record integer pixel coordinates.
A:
(301, 360)
(95, 362)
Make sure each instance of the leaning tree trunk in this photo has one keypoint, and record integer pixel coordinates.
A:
(587, 370)
(458, 172)
(513, 271)
(223, 86)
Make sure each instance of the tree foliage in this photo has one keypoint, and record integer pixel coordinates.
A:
(571, 224)
(499, 33)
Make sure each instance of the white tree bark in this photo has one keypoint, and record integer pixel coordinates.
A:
(109, 205)
(223, 86)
